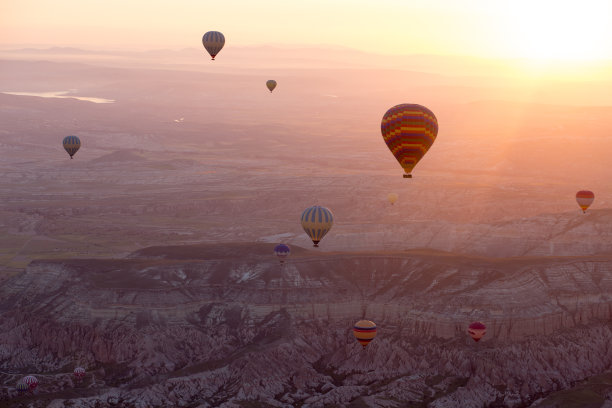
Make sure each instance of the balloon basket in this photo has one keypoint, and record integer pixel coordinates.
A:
(407, 175)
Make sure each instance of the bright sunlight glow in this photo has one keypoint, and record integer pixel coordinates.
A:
(560, 29)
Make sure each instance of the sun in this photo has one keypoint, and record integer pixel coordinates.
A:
(560, 29)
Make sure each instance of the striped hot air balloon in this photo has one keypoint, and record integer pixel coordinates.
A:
(213, 41)
(585, 199)
(31, 382)
(271, 84)
(392, 197)
(477, 330)
(79, 373)
(317, 221)
(409, 131)
(22, 388)
(71, 145)
(282, 251)
(364, 331)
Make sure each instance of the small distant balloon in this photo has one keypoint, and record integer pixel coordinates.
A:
(71, 145)
(477, 330)
(409, 130)
(22, 388)
(364, 331)
(271, 84)
(79, 373)
(213, 41)
(282, 251)
(392, 197)
(585, 199)
(317, 221)
(31, 382)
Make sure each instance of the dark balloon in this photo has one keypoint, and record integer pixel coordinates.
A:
(213, 41)
(71, 145)
(22, 388)
(271, 84)
(282, 251)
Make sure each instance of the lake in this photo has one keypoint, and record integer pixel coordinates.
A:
(61, 94)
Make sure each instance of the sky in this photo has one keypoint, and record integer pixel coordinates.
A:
(535, 29)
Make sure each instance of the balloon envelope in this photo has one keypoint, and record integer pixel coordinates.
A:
(409, 131)
(271, 84)
(282, 251)
(30, 381)
(22, 387)
(71, 144)
(392, 197)
(585, 198)
(317, 221)
(364, 331)
(213, 41)
(477, 330)
(79, 372)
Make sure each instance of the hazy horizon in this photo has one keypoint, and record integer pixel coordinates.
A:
(481, 28)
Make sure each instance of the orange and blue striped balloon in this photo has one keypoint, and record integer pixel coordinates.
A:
(317, 221)
(71, 144)
(409, 131)
(364, 331)
(585, 198)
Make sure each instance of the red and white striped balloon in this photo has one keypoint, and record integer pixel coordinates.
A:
(31, 381)
(79, 373)
(584, 198)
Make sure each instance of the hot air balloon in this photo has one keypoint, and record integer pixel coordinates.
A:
(213, 41)
(71, 145)
(317, 221)
(282, 251)
(409, 131)
(364, 331)
(585, 199)
(392, 197)
(79, 373)
(271, 84)
(477, 330)
(22, 388)
(31, 382)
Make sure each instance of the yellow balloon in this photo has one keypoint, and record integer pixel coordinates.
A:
(317, 221)
(392, 197)
(364, 331)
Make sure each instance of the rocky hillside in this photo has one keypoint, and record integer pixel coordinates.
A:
(227, 325)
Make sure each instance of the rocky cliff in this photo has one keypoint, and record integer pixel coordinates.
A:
(227, 325)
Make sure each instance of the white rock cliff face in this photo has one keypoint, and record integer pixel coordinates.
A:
(212, 326)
